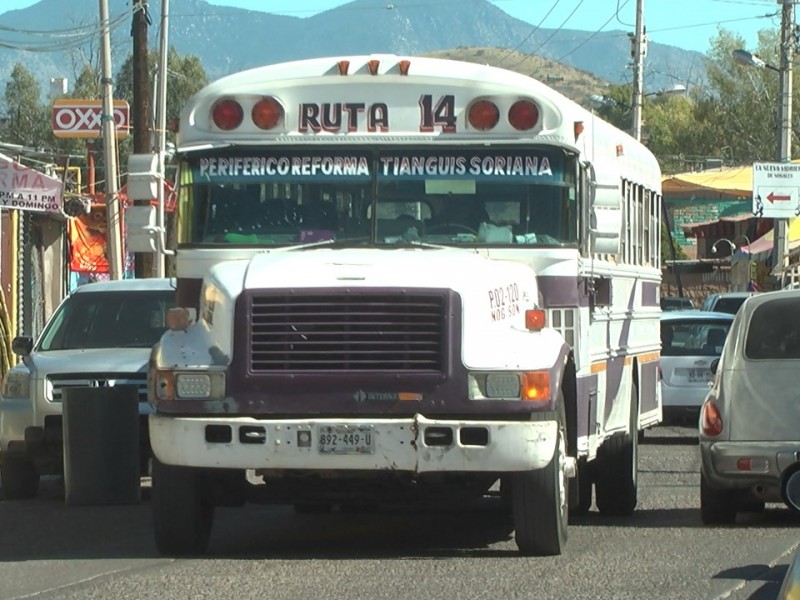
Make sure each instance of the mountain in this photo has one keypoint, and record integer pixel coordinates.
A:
(231, 39)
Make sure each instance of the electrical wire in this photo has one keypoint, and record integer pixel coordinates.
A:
(584, 42)
(559, 28)
(81, 37)
(527, 37)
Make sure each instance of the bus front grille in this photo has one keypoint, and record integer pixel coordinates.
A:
(356, 330)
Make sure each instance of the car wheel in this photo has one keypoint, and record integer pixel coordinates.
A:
(182, 517)
(20, 480)
(617, 481)
(540, 502)
(717, 507)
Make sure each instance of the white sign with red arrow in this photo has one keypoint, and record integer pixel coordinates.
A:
(776, 190)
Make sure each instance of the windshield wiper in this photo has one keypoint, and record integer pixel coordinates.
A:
(340, 243)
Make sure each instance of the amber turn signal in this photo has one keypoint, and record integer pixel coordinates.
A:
(536, 386)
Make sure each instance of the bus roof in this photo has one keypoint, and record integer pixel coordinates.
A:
(395, 85)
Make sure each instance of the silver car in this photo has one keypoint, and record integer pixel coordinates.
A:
(750, 421)
(100, 335)
(690, 341)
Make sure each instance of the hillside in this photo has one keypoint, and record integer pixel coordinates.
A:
(229, 39)
(573, 83)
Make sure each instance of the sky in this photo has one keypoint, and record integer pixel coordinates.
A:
(688, 24)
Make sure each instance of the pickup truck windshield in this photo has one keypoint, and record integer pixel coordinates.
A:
(109, 320)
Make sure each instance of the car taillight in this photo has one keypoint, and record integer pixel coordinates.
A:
(710, 419)
(227, 114)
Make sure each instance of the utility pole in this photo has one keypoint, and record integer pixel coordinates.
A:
(141, 108)
(114, 234)
(161, 127)
(788, 45)
(638, 51)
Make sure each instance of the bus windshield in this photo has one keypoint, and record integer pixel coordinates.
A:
(386, 197)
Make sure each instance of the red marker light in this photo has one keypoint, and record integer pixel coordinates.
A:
(267, 113)
(483, 115)
(227, 114)
(523, 115)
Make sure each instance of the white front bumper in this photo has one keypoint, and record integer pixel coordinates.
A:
(399, 444)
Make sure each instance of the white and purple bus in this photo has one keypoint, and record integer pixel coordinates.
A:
(404, 278)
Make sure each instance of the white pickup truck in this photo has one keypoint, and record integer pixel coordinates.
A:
(100, 335)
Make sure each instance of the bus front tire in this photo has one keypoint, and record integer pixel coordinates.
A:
(182, 517)
(540, 503)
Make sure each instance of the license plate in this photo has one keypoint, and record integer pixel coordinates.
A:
(345, 439)
(699, 375)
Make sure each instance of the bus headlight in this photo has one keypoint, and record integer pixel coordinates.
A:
(172, 385)
(495, 386)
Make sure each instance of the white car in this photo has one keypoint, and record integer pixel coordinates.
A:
(100, 335)
(690, 341)
(748, 426)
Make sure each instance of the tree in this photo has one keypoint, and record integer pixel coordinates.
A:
(741, 101)
(186, 77)
(26, 120)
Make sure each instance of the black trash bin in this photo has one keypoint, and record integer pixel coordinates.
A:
(101, 445)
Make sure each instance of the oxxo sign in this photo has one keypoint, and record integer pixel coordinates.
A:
(83, 118)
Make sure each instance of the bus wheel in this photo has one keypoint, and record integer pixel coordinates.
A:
(618, 467)
(181, 515)
(717, 507)
(540, 501)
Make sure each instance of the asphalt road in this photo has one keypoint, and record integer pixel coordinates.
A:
(49, 550)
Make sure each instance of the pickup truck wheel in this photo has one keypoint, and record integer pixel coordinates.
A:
(617, 478)
(181, 515)
(18, 477)
(717, 507)
(540, 503)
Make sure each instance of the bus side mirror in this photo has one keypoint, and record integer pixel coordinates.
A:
(604, 230)
(143, 177)
(605, 214)
(714, 366)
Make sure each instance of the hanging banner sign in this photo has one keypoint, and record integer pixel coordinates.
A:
(23, 188)
(88, 236)
(84, 118)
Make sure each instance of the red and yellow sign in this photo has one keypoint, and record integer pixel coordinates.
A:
(84, 118)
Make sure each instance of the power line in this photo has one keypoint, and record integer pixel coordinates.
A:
(527, 37)
(82, 36)
(616, 13)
